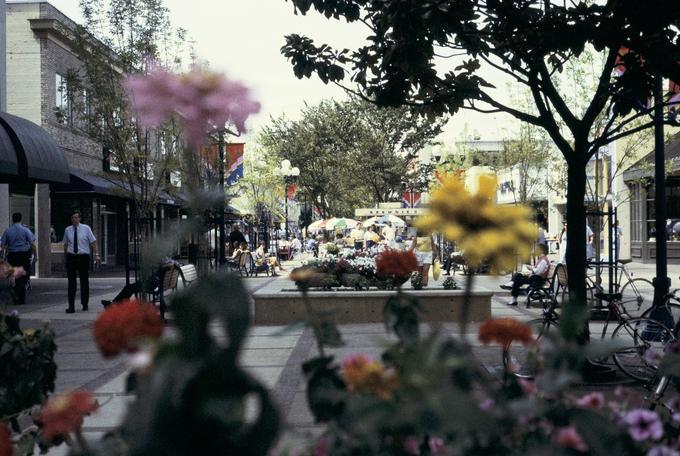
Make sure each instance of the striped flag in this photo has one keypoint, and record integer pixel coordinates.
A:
(234, 165)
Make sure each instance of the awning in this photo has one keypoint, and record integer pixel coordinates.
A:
(28, 152)
(83, 182)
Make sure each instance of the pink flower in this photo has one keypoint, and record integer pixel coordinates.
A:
(18, 272)
(528, 386)
(592, 400)
(436, 445)
(568, 437)
(412, 445)
(203, 99)
(321, 447)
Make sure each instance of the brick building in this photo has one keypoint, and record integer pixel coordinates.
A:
(39, 57)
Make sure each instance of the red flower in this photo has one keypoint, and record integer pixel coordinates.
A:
(505, 331)
(395, 263)
(64, 413)
(120, 327)
(6, 448)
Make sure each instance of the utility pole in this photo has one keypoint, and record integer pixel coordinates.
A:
(220, 218)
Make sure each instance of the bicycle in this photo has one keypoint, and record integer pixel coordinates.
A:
(635, 291)
(634, 335)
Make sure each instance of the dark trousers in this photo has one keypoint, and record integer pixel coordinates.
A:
(78, 265)
(520, 279)
(22, 259)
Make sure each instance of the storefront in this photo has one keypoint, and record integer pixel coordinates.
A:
(640, 181)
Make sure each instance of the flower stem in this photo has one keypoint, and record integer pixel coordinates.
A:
(313, 321)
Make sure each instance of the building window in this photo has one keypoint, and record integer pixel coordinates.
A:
(63, 108)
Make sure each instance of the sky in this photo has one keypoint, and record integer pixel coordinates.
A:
(243, 38)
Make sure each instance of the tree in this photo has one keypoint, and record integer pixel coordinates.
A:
(120, 38)
(350, 153)
(416, 53)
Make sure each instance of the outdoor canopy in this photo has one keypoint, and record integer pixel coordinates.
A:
(383, 219)
(332, 224)
(28, 152)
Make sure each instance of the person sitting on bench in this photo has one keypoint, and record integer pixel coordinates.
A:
(262, 258)
(534, 277)
(142, 286)
(238, 250)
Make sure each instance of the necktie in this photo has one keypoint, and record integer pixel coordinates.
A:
(75, 239)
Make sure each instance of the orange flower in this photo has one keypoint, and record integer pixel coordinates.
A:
(505, 331)
(393, 263)
(6, 448)
(64, 413)
(121, 326)
(362, 374)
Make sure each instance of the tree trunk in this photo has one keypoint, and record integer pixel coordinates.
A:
(576, 240)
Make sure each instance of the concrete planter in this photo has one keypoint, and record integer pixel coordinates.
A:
(287, 306)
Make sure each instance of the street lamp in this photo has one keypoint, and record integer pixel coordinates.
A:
(289, 176)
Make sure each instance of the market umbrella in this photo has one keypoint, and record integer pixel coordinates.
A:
(340, 223)
(316, 226)
(383, 219)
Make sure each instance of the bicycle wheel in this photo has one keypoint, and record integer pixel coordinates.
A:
(636, 337)
(524, 361)
(637, 295)
(673, 312)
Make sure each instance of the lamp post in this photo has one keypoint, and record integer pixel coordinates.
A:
(289, 176)
(222, 260)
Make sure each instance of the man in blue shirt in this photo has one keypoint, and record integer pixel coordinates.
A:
(19, 243)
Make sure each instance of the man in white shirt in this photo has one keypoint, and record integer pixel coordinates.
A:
(79, 244)
(538, 274)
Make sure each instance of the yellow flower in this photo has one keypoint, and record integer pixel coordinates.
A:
(365, 375)
(482, 229)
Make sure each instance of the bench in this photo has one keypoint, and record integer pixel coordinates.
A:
(189, 274)
(169, 278)
(256, 269)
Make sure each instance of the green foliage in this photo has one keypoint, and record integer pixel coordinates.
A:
(196, 396)
(372, 146)
(27, 367)
(450, 284)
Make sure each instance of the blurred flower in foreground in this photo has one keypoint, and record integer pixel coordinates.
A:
(7, 270)
(205, 100)
(643, 424)
(481, 229)
(64, 413)
(568, 437)
(594, 400)
(363, 374)
(5, 441)
(393, 263)
(505, 331)
(122, 326)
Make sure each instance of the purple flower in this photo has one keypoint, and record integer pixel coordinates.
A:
(568, 437)
(674, 404)
(204, 100)
(663, 451)
(643, 424)
(673, 348)
(652, 357)
(676, 419)
(592, 400)
(487, 405)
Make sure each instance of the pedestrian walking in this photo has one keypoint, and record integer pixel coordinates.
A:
(19, 243)
(79, 245)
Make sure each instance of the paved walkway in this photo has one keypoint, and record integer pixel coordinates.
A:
(274, 359)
